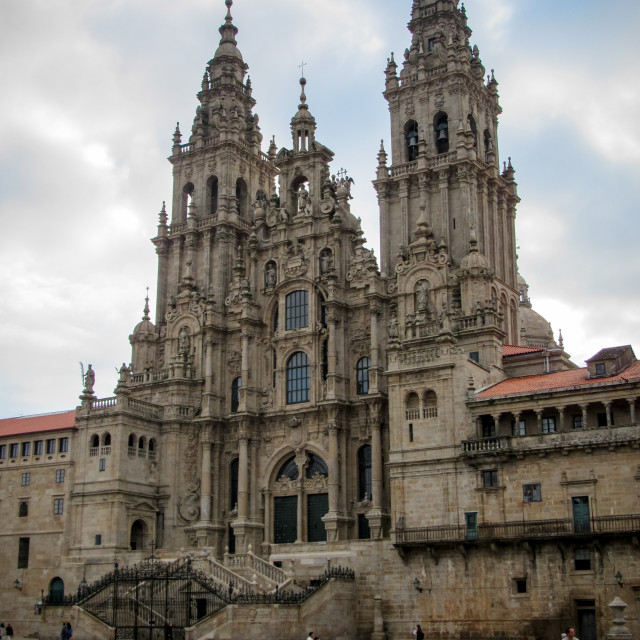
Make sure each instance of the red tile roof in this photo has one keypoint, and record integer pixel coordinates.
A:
(557, 381)
(513, 350)
(33, 424)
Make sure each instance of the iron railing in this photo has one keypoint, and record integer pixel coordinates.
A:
(519, 530)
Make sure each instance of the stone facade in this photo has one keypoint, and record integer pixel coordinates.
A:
(297, 402)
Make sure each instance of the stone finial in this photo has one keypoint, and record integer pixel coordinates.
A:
(618, 631)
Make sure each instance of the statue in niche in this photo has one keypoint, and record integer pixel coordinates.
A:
(184, 340)
(326, 261)
(422, 296)
(270, 274)
(394, 330)
(304, 200)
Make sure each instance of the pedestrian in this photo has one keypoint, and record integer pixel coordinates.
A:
(311, 636)
(69, 630)
(2, 631)
(63, 632)
(570, 634)
(419, 633)
(9, 631)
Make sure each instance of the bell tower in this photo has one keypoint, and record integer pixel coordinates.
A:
(444, 147)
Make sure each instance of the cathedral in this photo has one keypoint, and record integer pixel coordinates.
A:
(308, 437)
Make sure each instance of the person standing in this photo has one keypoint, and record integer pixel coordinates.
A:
(9, 631)
(570, 634)
(63, 632)
(419, 633)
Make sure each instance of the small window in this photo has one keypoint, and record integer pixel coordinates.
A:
(23, 553)
(63, 445)
(236, 384)
(411, 432)
(519, 428)
(490, 478)
(58, 506)
(98, 539)
(26, 449)
(582, 559)
(364, 473)
(297, 310)
(23, 509)
(362, 376)
(59, 475)
(578, 422)
(3, 451)
(520, 585)
(324, 365)
(431, 44)
(475, 356)
(26, 479)
(102, 464)
(531, 492)
(488, 427)
(601, 369)
(51, 446)
(14, 449)
(549, 425)
(38, 448)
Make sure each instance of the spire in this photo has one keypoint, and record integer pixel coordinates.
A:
(146, 306)
(228, 30)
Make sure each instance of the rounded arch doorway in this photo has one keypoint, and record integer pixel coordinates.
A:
(139, 532)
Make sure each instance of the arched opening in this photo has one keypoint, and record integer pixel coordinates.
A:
(488, 144)
(106, 439)
(236, 384)
(95, 441)
(364, 473)
(362, 376)
(212, 195)
(429, 404)
(411, 140)
(474, 130)
(138, 535)
(141, 447)
(412, 406)
(56, 591)
(233, 484)
(132, 440)
(301, 195)
(324, 359)
(242, 198)
(152, 449)
(288, 470)
(441, 131)
(185, 200)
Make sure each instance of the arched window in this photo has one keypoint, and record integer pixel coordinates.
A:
(141, 447)
(235, 393)
(276, 318)
(412, 406)
(488, 145)
(298, 378)
(441, 130)
(364, 473)
(289, 470)
(429, 404)
(106, 439)
(315, 466)
(233, 484)
(241, 197)
(152, 449)
(324, 361)
(138, 534)
(212, 195)
(362, 376)
(187, 196)
(297, 310)
(56, 591)
(95, 441)
(132, 440)
(323, 310)
(472, 127)
(411, 140)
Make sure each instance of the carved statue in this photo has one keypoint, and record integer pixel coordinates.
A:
(89, 380)
(184, 341)
(125, 372)
(270, 275)
(394, 331)
(304, 202)
(326, 262)
(422, 293)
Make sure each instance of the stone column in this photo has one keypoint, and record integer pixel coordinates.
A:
(561, 416)
(331, 348)
(376, 465)
(242, 404)
(516, 425)
(243, 475)
(443, 185)
(584, 415)
(632, 410)
(403, 195)
(539, 420)
(607, 408)
(373, 369)
(205, 495)
(334, 469)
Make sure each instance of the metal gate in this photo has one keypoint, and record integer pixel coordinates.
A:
(154, 600)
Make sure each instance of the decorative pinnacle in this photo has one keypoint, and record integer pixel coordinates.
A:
(229, 4)
(146, 306)
(163, 216)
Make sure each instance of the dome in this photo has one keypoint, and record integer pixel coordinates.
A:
(535, 330)
(144, 330)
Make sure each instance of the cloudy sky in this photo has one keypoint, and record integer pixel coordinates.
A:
(91, 91)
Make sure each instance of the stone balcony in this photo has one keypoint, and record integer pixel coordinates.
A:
(519, 531)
